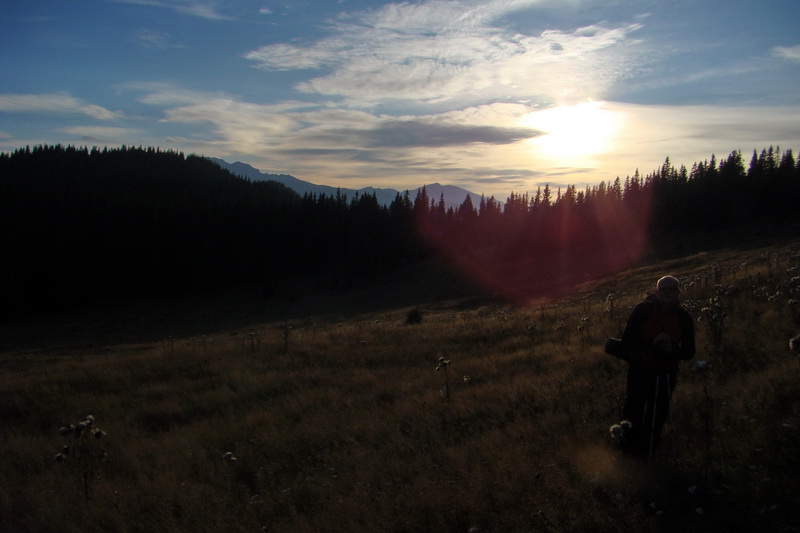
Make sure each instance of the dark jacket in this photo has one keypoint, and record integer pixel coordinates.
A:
(647, 321)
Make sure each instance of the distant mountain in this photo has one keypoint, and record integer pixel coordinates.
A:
(453, 196)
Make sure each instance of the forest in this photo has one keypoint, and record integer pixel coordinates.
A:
(80, 225)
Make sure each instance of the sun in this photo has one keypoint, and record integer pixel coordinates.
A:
(573, 131)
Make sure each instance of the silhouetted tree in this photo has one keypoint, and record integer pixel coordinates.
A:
(79, 224)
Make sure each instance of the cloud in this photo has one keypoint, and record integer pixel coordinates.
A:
(52, 103)
(409, 133)
(100, 134)
(324, 141)
(323, 127)
(440, 51)
(791, 53)
(208, 9)
(244, 126)
(153, 39)
(689, 134)
(289, 57)
(328, 143)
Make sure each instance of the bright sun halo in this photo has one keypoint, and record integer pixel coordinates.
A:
(572, 131)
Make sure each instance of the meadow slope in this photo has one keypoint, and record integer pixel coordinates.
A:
(336, 418)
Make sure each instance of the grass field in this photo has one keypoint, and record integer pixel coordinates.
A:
(341, 422)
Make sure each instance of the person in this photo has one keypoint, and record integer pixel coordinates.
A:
(658, 335)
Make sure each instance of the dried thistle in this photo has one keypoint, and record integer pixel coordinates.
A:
(701, 366)
(794, 344)
(83, 458)
(443, 364)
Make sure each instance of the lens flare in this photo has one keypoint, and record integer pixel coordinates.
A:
(548, 252)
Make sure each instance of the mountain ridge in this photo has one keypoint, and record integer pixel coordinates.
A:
(454, 196)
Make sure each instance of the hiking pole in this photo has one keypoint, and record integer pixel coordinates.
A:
(653, 425)
(669, 410)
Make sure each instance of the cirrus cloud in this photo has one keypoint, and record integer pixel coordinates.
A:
(101, 134)
(207, 9)
(53, 103)
(446, 51)
(792, 53)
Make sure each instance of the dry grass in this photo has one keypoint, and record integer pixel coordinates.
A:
(349, 428)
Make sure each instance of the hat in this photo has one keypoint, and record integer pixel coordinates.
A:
(668, 282)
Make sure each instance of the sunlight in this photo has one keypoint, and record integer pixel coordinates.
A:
(570, 131)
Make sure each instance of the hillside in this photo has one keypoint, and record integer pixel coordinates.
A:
(92, 227)
(300, 424)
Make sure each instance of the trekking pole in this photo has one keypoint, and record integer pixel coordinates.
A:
(653, 425)
(669, 410)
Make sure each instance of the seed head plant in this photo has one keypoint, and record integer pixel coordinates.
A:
(82, 455)
(286, 330)
(443, 365)
(794, 344)
(255, 341)
(620, 433)
(611, 308)
(714, 315)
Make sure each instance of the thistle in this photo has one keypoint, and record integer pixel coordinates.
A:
(287, 329)
(714, 315)
(229, 457)
(701, 366)
(794, 344)
(443, 364)
(610, 307)
(621, 430)
(83, 458)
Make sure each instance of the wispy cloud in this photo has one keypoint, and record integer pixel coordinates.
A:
(154, 39)
(791, 53)
(410, 133)
(339, 143)
(689, 134)
(327, 126)
(100, 134)
(445, 51)
(209, 9)
(483, 148)
(53, 103)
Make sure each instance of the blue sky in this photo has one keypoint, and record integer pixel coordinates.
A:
(496, 96)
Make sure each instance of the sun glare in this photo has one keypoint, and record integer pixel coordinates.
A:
(570, 131)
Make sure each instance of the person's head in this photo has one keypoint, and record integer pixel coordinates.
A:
(668, 290)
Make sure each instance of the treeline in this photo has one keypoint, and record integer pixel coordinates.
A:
(548, 243)
(80, 224)
(712, 194)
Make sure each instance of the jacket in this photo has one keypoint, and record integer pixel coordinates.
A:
(648, 320)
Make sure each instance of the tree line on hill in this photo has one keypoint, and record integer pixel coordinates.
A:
(80, 224)
(548, 243)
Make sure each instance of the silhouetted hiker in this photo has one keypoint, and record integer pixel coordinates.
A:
(658, 335)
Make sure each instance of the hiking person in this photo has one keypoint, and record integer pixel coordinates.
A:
(658, 335)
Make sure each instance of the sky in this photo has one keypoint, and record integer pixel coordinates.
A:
(496, 96)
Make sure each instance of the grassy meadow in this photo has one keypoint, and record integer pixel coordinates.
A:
(323, 424)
